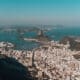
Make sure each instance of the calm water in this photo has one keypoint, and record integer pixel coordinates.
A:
(54, 34)
(59, 33)
(14, 38)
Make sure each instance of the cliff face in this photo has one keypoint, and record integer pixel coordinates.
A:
(10, 69)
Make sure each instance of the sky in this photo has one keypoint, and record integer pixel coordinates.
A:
(63, 12)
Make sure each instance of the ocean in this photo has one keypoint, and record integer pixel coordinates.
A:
(54, 34)
(59, 33)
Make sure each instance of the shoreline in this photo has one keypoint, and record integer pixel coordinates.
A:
(44, 59)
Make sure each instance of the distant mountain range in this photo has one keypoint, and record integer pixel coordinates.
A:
(30, 27)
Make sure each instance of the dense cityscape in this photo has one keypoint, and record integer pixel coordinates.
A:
(39, 39)
(51, 61)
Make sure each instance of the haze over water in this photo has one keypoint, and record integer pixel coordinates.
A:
(65, 12)
(54, 34)
(39, 12)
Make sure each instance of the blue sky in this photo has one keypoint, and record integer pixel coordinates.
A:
(66, 12)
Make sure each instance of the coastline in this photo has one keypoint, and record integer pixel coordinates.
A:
(49, 60)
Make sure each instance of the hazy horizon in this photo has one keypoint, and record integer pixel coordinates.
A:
(49, 12)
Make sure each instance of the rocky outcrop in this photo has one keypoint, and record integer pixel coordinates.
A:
(65, 39)
(42, 37)
(74, 44)
(11, 69)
